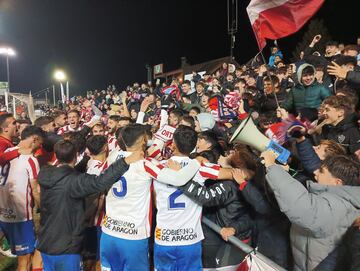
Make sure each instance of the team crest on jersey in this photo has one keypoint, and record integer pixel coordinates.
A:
(105, 219)
(158, 234)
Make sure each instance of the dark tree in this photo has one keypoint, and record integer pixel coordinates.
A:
(316, 26)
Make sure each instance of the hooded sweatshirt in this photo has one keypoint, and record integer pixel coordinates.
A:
(62, 191)
(301, 96)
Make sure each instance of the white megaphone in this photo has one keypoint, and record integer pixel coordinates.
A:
(248, 134)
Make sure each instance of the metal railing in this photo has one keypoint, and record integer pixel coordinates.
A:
(239, 244)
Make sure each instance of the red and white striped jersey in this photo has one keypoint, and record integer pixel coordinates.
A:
(95, 167)
(86, 114)
(16, 199)
(112, 143)
(96, 208)
(67, 128)
(178, 217)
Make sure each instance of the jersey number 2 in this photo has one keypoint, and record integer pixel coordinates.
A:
(172, 198)
(120, 192)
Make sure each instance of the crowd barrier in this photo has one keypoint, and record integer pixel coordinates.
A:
(244, 247)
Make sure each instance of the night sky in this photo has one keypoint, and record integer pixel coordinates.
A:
(98, 42)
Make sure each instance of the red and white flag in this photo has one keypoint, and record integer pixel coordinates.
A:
(275, 19)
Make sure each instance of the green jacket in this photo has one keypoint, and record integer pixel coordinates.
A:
(301, 96)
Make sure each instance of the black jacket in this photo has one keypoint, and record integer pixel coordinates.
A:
(346, 256)
(346, 132)
(192, 97)
(50, 140)
(62, 191)
(268, 102)
(232, 210)
(272, 227)
(353, 77)
(307, 156)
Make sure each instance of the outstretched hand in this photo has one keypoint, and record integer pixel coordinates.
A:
(173, 165)
(315, 40)
(337, 70)
(144, 105)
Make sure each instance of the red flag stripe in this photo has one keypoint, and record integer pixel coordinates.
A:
(279, 18)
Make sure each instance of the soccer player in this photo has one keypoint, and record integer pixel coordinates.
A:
(178, 232)
(112, 126)
(73, 118)
(46, 153)
(98, 129)
(127, 223)
(94, 204)
(18, 191)
(60, 119)
(8, 130)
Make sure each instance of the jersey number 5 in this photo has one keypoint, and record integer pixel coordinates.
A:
(172, 198)
(121, 191)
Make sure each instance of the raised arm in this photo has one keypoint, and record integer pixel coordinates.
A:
(307, 155)
(8, 156)
(169, 176)
(309, 211)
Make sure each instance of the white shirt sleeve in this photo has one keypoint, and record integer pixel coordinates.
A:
(140, 117)
(181, 177)
(163, 118)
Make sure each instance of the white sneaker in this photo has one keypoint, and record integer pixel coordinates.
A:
(6, 252)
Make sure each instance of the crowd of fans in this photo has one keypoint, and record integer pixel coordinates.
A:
(303, 215)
